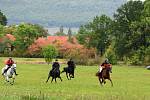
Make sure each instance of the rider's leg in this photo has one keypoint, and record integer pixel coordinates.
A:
(7, 67)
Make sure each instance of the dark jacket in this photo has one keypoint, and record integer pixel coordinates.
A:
(71, 64)
(55, 66)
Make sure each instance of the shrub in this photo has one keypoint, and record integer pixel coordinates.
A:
(110, 54)
(49, 53)
(147, 56)
(81, 55)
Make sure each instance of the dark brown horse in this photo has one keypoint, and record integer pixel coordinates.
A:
(54, 74)
(69, 72)
(103, 75)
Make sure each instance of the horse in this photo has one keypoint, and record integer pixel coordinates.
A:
(10, 74)
(103, 75)
(68, 71)
(54, 74)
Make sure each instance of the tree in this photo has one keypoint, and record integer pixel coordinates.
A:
(25, 35)
(3, 19)
(60, 32)
(49, 53)
(69, 35)
(1, 31)
(2, 46)
(96, 33)
(127, 16)
(40, 29)
(147, 10)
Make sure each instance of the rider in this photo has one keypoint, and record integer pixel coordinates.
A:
(55, 65)
(105, 64)
(9, 63)
(71, 66)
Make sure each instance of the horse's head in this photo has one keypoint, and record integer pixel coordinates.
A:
(14, 66)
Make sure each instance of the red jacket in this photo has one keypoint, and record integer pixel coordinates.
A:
(105, 65)
(9, 62)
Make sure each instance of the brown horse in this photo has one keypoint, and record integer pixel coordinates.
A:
(105, 74)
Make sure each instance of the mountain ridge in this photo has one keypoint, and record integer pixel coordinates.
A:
(51, 13)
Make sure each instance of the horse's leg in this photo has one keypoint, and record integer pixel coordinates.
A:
(12, 83)
(60, 78)
(13, 80)
(52, 79)
(70, 76)
(55, 80)
(67, 75)
(104, 81)
(48, 78)
(7, 78)
(100, 81)
(111, 82)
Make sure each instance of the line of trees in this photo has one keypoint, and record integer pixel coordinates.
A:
(125, 37)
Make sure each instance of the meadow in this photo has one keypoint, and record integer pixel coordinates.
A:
(130, 83)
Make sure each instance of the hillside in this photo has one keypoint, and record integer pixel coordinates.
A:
(53, 13)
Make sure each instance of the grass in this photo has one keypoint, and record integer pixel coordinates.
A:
(130, 83)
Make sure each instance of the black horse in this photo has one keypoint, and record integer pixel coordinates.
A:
(69, 71)
(54, 74)
(105, 74)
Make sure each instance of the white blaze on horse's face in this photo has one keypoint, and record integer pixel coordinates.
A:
(14, 66)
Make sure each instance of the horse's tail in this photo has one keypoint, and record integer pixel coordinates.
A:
(97, 74)
(64, 70)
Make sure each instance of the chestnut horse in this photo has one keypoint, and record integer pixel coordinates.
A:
(103, 75)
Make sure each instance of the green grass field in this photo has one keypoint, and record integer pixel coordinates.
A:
(130, 83)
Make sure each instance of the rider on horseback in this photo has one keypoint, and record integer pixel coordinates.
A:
(55, 66)
(71, 66)
(105, 64)
(9, 63)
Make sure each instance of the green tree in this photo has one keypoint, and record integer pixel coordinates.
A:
(40, 29)
(49, 53)
(126, 17)
(1, 31)
(25, 35)
(69, 35)
(96, 33)
(60, 32)
(147, 10)
(2, 46)
(3, 19)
